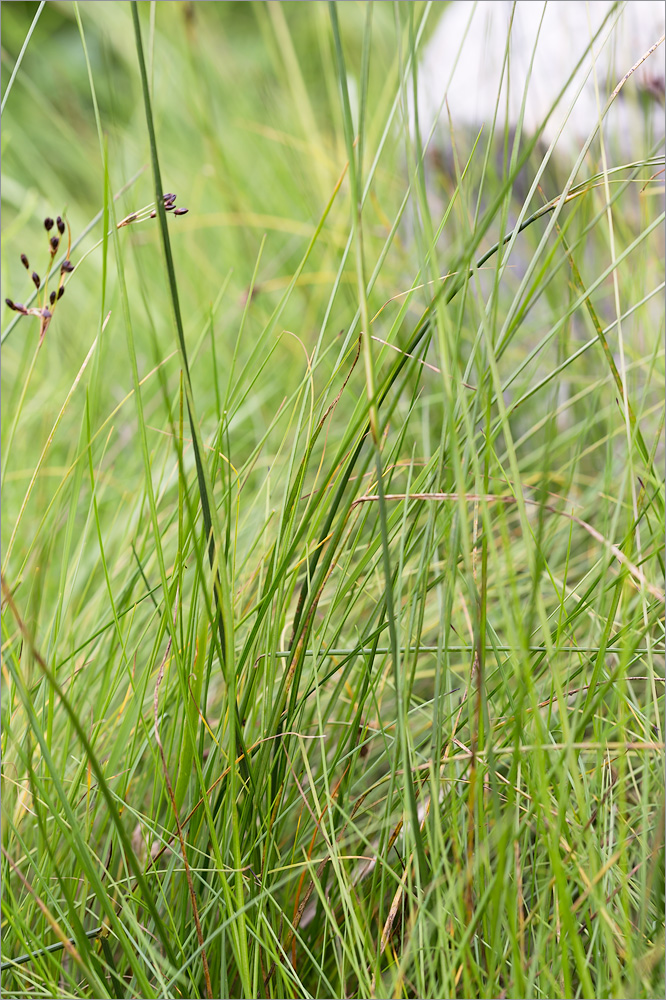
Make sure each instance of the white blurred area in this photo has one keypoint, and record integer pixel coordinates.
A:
(464, 66)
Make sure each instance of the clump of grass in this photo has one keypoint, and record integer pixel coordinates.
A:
(333, 604)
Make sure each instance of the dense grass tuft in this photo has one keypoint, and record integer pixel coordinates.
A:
(333, 525)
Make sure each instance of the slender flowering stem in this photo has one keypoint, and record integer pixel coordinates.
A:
(47, 301)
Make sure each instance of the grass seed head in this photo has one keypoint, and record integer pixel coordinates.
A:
(46, 299)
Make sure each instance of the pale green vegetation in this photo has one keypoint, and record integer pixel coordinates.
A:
(411, 719)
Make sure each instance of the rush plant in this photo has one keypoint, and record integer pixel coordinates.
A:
(333, 521)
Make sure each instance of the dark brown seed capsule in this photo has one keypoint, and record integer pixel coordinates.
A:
(48, 224)
(169, 197)
(54, 243)
(25, 262)
(61, 291)
(20, 308)
(35, 279)
(52, 297)
(180, 211)
(66, 267)
(61, 225)
(153, 214)
(10, 303)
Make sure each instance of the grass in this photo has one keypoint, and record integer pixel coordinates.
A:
(333, 649)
